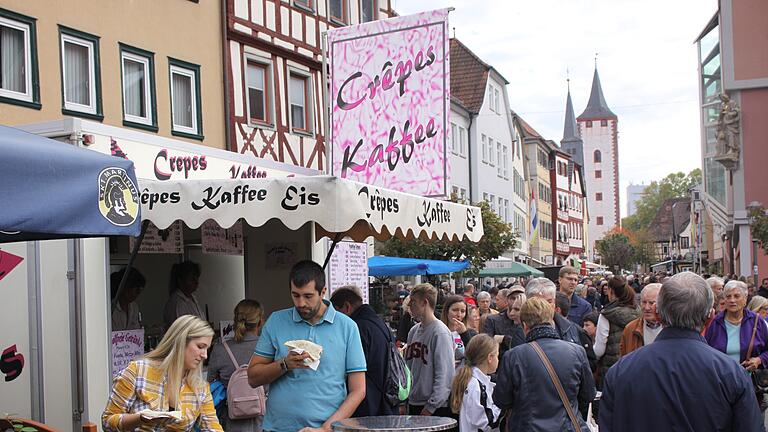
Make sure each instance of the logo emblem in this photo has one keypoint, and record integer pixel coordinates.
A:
(118, 197)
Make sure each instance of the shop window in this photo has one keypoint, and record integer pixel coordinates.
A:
(186, 114)
(337, 11)
(19, 80)
(139, 105)
(598, 157)
(368, 10)
(80, 78)
(259, 96)
(299, 94)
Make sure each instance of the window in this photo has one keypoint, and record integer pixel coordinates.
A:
(485, 197)
(80, 75)
(603, 123)
(368, 10)
(484, 144)
(504, 162)
(462, 141)
(598, 174)
(598, 157)
(491, 152)
(490, 97)
(463, 194)
(455, 192)
(305, 4)
(299, 95)
(492, 202)
(139, 104)
(502, 214)
(589, 123)
(258, 82)
(599, 220)
(685, 243)
(454, 138)
(337, 11)
(499, 160)
(19, 81)
(186, 113)
(599, 196)
(496, 104)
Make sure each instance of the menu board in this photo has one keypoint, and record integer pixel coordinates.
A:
(127, 345)
(165, 241)
(221, 241)
(349, 266)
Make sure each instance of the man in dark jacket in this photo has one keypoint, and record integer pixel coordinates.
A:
(502, 325)
(525, 387)
(375, 337)
(660, 386)
(567, 280)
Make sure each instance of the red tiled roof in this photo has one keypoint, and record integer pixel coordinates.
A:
(469, 76)
(530, 132)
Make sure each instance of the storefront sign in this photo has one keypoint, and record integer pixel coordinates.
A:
(127, 345)
(8, 262)
(169, 240)
(165, 163)
(390, 96)
(220, 241)
(349, 266)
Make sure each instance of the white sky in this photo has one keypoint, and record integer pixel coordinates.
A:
(647, 62)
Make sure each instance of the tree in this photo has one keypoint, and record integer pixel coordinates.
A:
(645, 248)
(675, 185)
(759, 226)
(616, 250)
(498, 238)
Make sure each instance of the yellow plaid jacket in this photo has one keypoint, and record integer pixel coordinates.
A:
(141, 386)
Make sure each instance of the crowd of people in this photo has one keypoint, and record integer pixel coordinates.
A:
(527, 355)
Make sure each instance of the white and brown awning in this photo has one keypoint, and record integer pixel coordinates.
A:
(336, 206)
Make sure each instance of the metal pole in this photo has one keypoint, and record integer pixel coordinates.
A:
(326, 104)
(131, 259)
(754, 262)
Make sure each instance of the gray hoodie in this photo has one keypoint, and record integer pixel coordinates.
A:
(430, 357)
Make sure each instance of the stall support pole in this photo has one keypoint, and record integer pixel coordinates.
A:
(131, 259)
(330, 251)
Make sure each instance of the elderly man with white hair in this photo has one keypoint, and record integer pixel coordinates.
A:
(715, 284)
(643, 330)
(484, 303)
(678, 382)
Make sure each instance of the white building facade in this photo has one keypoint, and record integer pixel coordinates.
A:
(598, 128)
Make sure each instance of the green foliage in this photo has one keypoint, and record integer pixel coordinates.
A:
(498, 238)
(759, 227)
(645, 248)
(675, 185)
(616, 250)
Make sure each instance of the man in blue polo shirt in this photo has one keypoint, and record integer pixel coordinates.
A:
(302, 399)
(567, 280)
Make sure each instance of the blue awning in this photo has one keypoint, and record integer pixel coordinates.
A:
(50, 190)
(380, 266)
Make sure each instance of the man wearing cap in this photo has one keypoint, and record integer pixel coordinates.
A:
(502, 325)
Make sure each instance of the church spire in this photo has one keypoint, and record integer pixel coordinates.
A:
(596, 107)
(571, 141)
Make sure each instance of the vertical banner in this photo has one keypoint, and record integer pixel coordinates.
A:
(349, 266)
(390, 102)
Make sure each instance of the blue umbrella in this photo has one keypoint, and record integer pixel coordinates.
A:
(51, 190)
(380, 266)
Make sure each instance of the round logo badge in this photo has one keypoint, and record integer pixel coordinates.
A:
(118, 197)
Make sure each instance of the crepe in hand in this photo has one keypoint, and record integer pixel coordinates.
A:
(314, 350)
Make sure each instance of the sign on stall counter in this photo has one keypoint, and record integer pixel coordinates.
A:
(390, 102)
(165, 241)
(127, 345)
(221, 241)
(349, 266)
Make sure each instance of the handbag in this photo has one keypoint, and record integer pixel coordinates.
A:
(558, 386)
(759, 376)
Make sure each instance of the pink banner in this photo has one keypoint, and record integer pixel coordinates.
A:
(390, 101)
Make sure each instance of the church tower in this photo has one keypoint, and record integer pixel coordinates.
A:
(598, 127)
(571, 142)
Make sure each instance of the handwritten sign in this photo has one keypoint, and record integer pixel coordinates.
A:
(127, 345)
(280, 255)
(8, 262)
(221, 241)
(349, 266)
(165, 241)
(390, 97)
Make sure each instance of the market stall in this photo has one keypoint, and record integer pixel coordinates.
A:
(382, 266)
(512, 269)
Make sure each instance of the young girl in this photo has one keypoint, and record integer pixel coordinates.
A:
(455, 318)
(472, 390)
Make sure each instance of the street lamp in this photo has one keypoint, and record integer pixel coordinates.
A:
(753, 208)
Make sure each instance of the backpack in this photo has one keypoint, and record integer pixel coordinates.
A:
(243, 401)
(397, 379)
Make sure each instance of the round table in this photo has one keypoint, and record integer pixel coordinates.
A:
(395, 423)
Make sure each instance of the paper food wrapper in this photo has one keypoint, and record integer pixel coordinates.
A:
(308, 361)
(151, 415)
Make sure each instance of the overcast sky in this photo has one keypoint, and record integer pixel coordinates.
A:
(646, 59)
